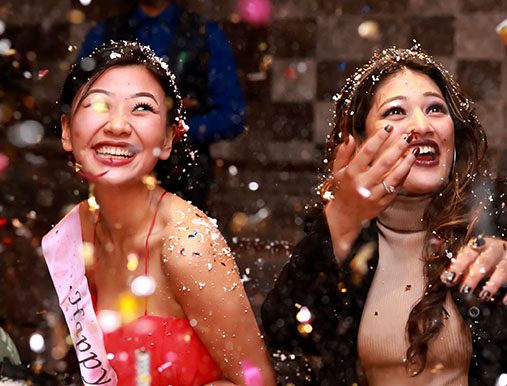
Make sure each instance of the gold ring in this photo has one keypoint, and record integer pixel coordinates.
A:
(478, 243)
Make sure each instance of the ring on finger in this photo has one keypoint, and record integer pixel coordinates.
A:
(388, 188)
(478, 243)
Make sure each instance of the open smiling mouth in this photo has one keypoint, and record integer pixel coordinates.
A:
(427, 153)
(115, 155)
(117, 152)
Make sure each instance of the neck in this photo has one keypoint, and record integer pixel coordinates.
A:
(405, 213)
(126, 211)
(153, 8)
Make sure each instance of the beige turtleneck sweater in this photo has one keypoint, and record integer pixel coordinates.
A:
(397, 285)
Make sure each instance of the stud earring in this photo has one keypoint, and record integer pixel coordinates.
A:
(77, 167)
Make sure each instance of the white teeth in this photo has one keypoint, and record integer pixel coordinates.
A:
(114, 151)
(426, 150)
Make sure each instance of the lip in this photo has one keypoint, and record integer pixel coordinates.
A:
(427, 162)
(114, 161)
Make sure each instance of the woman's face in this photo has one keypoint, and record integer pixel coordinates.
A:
(412, 102)
(118, 128)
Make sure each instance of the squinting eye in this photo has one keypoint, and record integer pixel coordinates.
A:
(99, 106)
(143, 107)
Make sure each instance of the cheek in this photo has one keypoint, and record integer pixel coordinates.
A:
(151, 130)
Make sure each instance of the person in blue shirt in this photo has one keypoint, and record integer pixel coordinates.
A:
(199, 54)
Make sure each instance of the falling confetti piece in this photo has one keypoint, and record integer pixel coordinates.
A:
(304, 315)
(92, 204)
(143, 375)
(290, 73)
(109, 320)
(251, 373)
(501, 30)
(150, 182)
(364, 192)
(369, 30)
(87, 254)
(132, 262)
(99, 106)
(129, 306)
(143, 286)
(75, 16)
(42, 73)
(37, 344)
(255, 12)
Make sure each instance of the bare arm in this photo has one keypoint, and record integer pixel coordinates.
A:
(205, 278)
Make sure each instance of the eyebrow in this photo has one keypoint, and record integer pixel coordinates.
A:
(145, 94)
(109, 93)
(93, 91)
(401, 97)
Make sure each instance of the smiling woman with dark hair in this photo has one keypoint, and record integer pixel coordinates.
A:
(139, 272)
(370, 295)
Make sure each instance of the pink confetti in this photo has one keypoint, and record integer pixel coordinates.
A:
(252, 374)
(42, 74)
(4, 162)
(255, 12)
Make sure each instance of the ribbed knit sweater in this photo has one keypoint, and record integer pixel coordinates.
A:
(397, 285)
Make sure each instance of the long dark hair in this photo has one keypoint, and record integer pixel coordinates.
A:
(447, 215)
(121, 53)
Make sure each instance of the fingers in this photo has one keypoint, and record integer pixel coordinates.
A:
(389, 159)
(465, 258)
(397, 175)
(344, 154)
(484, 258)
(495, 282)
(478, 270)
(367, 153)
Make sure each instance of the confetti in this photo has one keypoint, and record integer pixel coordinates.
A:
(143, 286)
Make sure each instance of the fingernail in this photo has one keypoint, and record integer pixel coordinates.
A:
(479, 241)
(415, 152)
(409, 138)
(450, 277)
(388, 128)
(466, 289)
(484, 296)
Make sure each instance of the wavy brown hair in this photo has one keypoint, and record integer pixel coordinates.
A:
(447, 217)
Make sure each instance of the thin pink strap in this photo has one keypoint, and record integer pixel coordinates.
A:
(147, 249)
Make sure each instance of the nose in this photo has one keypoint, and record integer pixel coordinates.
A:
(419, 123)
(118, 124)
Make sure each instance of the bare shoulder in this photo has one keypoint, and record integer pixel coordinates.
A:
(192, 242)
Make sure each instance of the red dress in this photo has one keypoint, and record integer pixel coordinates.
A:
(177, 355)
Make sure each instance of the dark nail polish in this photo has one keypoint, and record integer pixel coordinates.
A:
(450, 277)
(484, 296)
(388, 128)
(479, 241)
(409, 138)
(466, 289)
(415, 152)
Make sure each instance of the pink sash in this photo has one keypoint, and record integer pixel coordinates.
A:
(62, 248)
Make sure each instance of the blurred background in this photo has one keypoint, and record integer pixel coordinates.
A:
(292, 56)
